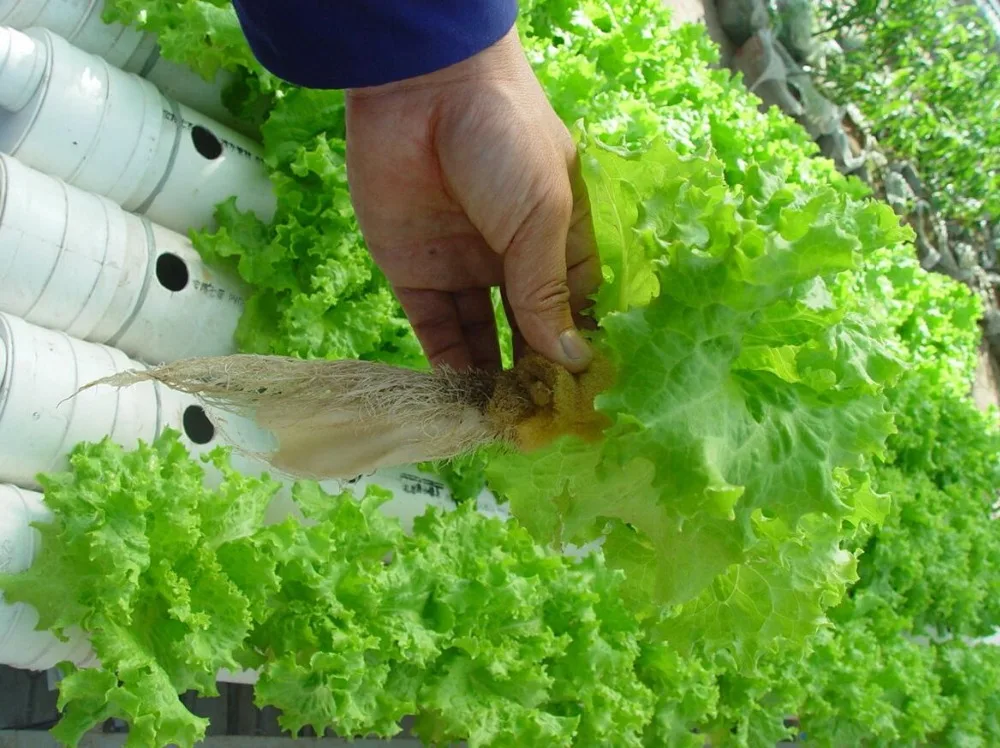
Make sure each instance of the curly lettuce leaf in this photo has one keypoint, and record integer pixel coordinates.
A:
(203, 34)
(136, 555)
(466, 623)
(744, 396)
(470, 626)
(933, 559)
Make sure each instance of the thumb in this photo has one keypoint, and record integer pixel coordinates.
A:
(535, 277)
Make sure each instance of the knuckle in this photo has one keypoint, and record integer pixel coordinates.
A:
(546, 298)
(548, 204)
(550, 192)
(431, 323)
(555, 198)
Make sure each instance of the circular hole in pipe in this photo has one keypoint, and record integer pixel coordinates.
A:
(172, 272)
(197, 427)
(206, 143)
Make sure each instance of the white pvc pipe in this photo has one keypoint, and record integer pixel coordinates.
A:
(21, 646)
(188, 309)
(69, 260)
(185, 86)
(134, 51)
(79, 22)
(67, 128)
(207, 164)
(22, 71)
(41, 416)
(114, 134)
(77, 262)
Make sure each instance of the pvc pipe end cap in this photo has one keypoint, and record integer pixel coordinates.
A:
(22, 68)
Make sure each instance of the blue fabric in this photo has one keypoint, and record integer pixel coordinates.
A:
(355, 43)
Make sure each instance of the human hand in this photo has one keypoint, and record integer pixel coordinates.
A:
(466, 179)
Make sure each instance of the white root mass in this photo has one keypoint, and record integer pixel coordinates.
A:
(338, 419)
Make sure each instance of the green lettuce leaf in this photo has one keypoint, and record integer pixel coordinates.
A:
(205, 35)
(466, 624)
(745, 399)
(136, 556)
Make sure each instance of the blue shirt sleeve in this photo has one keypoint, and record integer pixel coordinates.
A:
(355, 43)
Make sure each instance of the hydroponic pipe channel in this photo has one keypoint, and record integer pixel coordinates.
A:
(77, 262)
(72, 115)
(80, 22)
(41, 416)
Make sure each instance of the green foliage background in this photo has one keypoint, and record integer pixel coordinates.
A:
(795, 504)
(925, 73)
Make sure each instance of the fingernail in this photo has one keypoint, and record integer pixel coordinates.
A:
(575, 347)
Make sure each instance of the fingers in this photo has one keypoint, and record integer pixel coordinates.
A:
(455, 330)
(557, 268)
(479, 328)
(434, 317)
(552, 271)
(536, 279)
